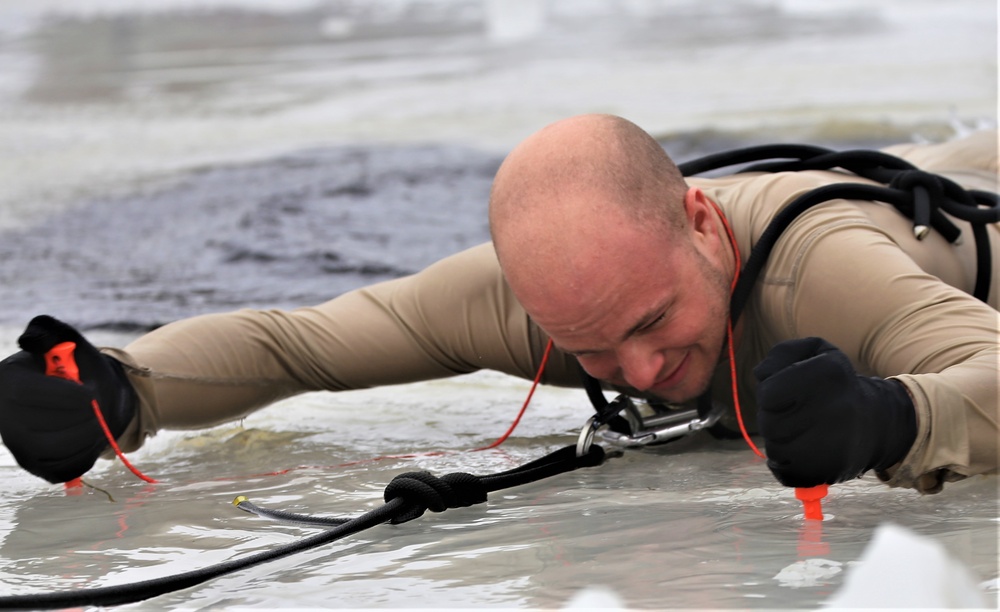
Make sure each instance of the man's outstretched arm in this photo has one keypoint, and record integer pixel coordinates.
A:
(455, 317)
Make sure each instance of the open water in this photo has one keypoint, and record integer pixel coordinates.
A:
(160, 161)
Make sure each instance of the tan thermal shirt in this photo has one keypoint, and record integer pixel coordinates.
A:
(850, 272)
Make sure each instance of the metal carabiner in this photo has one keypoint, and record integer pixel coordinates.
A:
(664, 428)
(586, 437)
(662, 425)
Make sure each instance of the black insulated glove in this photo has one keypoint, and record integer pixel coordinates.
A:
(47, 422)
(823, 423)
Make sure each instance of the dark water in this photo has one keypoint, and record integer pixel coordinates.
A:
(290, 231)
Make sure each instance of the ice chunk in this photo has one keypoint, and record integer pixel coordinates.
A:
(901, 569)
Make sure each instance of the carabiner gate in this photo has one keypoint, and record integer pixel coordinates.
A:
(647, 424)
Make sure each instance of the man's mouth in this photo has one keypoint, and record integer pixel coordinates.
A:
(674, 378)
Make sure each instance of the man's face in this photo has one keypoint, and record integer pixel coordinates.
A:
(651, 315)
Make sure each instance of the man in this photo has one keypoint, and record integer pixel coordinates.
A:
(859, 349)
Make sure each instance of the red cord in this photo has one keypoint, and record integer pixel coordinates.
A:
(729, 343)
(527, 400)
(812, 497)
(736, 395)
(114, 445)
(729, 332)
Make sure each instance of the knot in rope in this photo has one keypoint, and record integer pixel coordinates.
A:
(908, 180)
(424, 491)
(927, 192)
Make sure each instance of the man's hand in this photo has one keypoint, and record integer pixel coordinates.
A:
(822, 423)
(47, 422)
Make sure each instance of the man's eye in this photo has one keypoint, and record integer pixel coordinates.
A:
(654, 322)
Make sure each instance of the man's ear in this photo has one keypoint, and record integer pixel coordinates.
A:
(699, 213)
(703, 229)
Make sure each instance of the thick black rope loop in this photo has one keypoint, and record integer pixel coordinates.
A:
(747, 155)
(873, 165)
(915, 193)
(424, 491)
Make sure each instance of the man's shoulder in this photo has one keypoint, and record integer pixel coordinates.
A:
(751, 201)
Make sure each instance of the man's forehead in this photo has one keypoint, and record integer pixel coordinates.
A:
(620, 288)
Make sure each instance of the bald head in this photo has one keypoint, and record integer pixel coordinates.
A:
(559, 191)
(613, 257)
(603, 155)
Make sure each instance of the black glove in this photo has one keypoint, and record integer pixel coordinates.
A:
(823, 423)
(48, 422)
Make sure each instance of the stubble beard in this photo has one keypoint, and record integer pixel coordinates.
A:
(720, 295)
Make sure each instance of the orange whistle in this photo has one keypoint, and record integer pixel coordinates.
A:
(811, 501)
(59, 362)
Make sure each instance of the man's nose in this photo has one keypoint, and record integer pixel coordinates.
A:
(640, 366)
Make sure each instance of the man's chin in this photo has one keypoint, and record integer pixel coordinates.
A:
(687, 390)
(673, 398)
(683, 394)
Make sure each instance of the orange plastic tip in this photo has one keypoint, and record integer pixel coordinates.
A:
(73, 487)
(811, 500)
(59, 362)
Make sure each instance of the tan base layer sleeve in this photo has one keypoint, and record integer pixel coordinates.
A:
(455, 317)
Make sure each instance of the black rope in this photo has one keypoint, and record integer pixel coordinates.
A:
(984, 267)
(404, 500)
(287, 517)
(145, 589)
